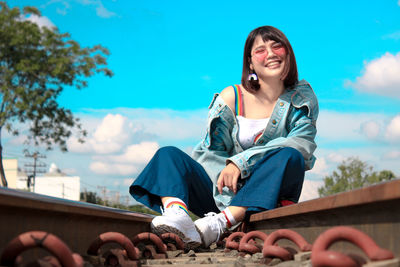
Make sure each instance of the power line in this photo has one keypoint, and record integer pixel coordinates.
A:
(32, 178)
(103, 190)
(93, 186)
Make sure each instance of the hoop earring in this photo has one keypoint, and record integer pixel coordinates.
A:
(252, 77)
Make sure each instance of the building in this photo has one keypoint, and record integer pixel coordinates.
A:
(53, 183)
(11, 171)
(58, 184)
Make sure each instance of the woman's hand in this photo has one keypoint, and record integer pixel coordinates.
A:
(228, 177)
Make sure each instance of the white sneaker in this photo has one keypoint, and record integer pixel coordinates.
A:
(177, 221)
(211, 227)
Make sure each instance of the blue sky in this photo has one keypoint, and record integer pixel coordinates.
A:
(170, 57)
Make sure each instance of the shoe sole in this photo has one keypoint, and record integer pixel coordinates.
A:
(163, 228)
(201, 237)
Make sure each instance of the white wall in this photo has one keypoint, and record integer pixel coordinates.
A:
(67, 187)
(11, 170)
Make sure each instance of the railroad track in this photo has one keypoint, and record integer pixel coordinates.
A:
(372, 213)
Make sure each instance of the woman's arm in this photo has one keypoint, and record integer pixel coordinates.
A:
(301, 137)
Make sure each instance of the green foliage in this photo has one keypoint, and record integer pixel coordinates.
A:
(92, 197)
(141, 209)
(351, 174)
(36, 63)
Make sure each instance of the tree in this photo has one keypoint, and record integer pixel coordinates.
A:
(352, 173)
(36, 63)
(91, 197)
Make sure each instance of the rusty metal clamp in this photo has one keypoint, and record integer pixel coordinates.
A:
(172, 241)
(321, 257)
(131, 251)
(233, 240)
(148, 250)
(271, 250)
(246, 245)
(44, 240)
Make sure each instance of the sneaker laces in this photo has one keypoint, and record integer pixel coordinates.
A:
(216, 223)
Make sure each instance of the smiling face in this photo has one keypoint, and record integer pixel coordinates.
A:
(268, 58)
(269, 54)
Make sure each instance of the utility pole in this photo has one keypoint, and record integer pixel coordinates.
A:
(32, 178)
(117, 196)
(85, 195)
(125, 200)
(103, 190)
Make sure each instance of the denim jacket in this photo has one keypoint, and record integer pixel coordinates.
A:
(292, 124)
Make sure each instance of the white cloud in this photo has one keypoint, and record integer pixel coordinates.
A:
(370, 129)
(391, 155)
(120, 143)
(162, 124)
(320, 167)
(335, 158)
(127, 182)
(335, 126)
(380, 76)
(77, 147)
(112, 134)
(393, 130)
(134, 158)
(102, 12)
(41, 21)
(62, 6)
(137, 154)
(112, 168)
(169, 124)
(110, 128)
(339, 126)
(63, 11)
(310, 190)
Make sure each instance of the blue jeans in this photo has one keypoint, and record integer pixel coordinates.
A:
(278, 175)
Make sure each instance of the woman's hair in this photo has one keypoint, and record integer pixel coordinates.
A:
(289, 75)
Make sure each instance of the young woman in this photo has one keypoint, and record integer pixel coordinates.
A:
(258, 144)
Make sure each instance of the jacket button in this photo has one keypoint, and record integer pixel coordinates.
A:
(281, 104)
(273, 121)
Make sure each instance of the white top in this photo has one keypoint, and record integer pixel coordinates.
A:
(249, 130)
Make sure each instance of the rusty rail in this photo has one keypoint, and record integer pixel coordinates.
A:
(73, 222)
(374, 210)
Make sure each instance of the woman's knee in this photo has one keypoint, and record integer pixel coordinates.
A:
(168, 150)
(294, 157)
(171, 154)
